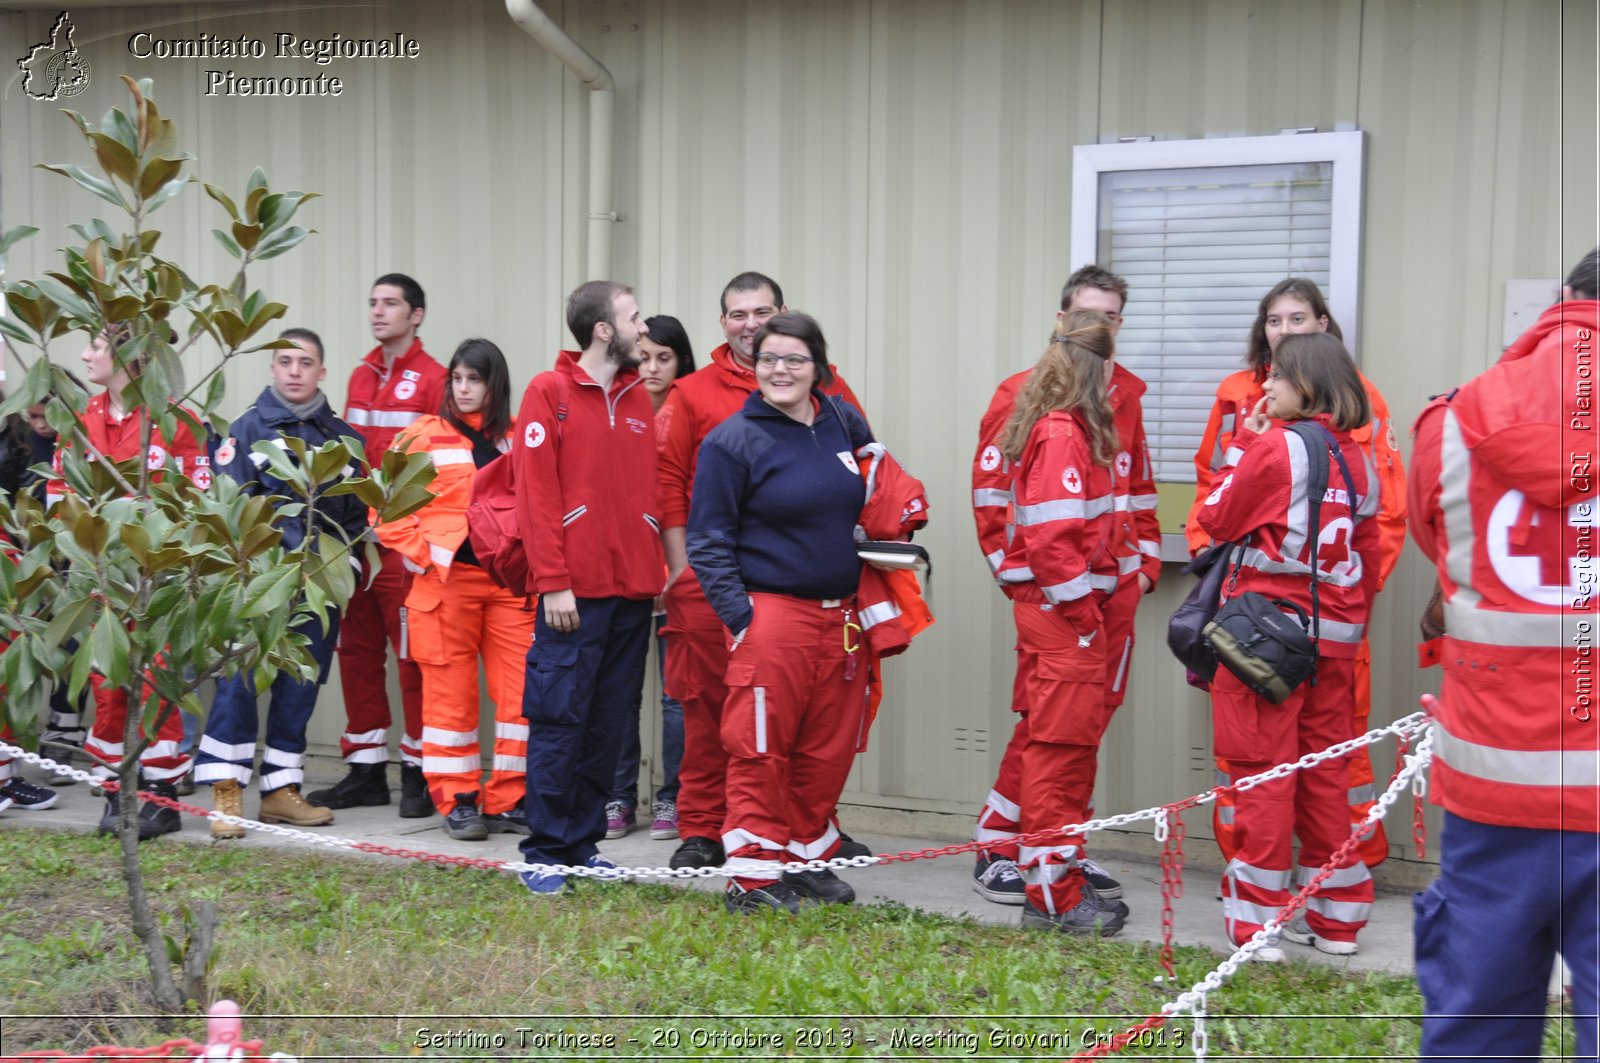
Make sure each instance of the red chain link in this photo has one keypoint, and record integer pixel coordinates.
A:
(1119, 1042)
(1171, 880)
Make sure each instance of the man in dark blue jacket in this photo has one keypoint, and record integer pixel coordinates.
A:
(293, 405)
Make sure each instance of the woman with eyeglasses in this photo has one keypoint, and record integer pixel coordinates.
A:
(777, 494)
(1261, 501)
(1292, 307)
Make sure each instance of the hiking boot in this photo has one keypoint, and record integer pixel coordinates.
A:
(998, 879)
(698, 852)
(1108, 888)
(1091, 916)
(776, 896)
(285, 805)
(1299, 931)
(227, 797)
(465, 823)
(850, 848)
(156, 820)
(414, 800)
(27, 796)
(511, 821)
(664, 820)
(819, 887)
(544, 883)
(620, 818)
(363, 784)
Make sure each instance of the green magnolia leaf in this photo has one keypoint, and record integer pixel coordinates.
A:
(102, 188)
(156, 173)
(246, 235)
(21, 232)
(67, 299)
(282, 241)
(222, 197)
(67, 622)
(164, 193)
(270, 591)
(13, 331)
(115, 158)
(259, 539)
(276, 210)
(118, 125)
(228, 243)
(82, 661)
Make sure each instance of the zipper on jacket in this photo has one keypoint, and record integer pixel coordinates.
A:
(611, 401)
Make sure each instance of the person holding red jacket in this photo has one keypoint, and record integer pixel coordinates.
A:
(697, 653)
(115, 432)
(584, 465)
(395, 385)
(1137, 547)
(1260, 501)
(456, 613)
(1060, 569)
(1295, 306)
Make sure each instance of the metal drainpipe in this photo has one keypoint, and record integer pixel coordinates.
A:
(602, 104)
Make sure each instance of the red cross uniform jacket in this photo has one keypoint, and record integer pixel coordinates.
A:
(1137, 538)
(892, 609)
(1059, 548)
(584, 462)
(1260, 494)
(119, 440)
(1503, 501)
(380, 402)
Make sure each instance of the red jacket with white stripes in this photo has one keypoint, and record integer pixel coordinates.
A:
(120, 441)
(1137, 538)
(380, 402)
(584, 462)
(1261, 493)
(1061, 547)
(1503, 500)
(891, 608)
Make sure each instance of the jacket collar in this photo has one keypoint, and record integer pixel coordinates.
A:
(274, 412)
(567, 362)
(374, 357)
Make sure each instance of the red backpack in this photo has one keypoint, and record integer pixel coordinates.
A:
(492, 523)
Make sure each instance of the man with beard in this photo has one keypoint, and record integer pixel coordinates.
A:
(584, 462)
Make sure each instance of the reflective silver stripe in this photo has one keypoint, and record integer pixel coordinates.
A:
(1003, 806)
(1241, 911)
(1149, 548)
(738, 838)
(1144, 502)
(1130, 563)
(1342, 878)
(440, 555)
(277, 758)
(431, 763)
(1253, 557)
(574, 515)
(450, 456)
(277, 780)
(1120, 503)
(511, 732)
(223, 751)
(1017, 575)
(438, 736)
(1035, 854)
(365, 738)
(1122, 665)
(1360, 795)
(1335, 631)
(1348, 912)
(1071, 590)
(761, 719)
(505, 763)
(814, 850)
(1455, 475)
(1367, 504)
(381, 418)
(990, 496)
(994, 560)
(1232, 455)
(873, 615)
(1260, 877)
(1225, 815)
(1063, 509)
(1216, 451)
(1294, 537)
(1103, 583)
(1548, 630)
(1545, 768)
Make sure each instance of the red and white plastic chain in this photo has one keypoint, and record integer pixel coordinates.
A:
(1170, 832)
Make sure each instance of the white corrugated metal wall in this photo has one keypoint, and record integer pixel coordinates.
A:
(903, 167)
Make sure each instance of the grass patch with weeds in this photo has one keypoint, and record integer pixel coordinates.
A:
(325, 935)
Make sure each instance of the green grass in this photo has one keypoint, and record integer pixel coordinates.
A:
(325, 935)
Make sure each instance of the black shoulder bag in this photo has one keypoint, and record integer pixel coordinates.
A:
(1269, 652)
(1185, 631)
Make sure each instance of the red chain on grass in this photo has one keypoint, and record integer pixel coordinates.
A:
(1119, 1042)
(181, 1049)
(1171, 880)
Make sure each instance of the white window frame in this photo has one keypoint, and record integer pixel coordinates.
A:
(1344, 150)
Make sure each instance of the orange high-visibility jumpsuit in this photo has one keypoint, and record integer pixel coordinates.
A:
(454, 613)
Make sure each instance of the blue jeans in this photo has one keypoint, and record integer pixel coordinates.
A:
(1507, 899)
(581, 687)
(228, 746)
(627, 785)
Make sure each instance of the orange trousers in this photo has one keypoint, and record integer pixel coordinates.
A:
(451, 624)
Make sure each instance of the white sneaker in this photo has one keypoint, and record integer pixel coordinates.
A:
(1299, 931)
(1268, 954)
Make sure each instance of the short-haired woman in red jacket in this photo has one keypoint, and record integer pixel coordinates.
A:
(1059, 568)
(1260, 499)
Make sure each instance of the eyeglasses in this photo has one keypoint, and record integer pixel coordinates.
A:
(760, 313)
(790, 361)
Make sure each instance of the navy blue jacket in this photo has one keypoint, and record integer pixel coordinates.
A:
(775, 505)
(270, 419)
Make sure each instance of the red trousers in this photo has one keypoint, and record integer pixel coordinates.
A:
(1064, 692)
(796, 710)
(372, 623)
(452, 623)
(1001, 817)
(1254, 734)
(1363, 788)
(696, 667)
(160, 761)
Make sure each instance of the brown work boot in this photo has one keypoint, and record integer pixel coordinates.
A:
(227, 797)
(285, 805)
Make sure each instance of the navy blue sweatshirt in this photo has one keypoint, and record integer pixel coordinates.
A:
(775, 505)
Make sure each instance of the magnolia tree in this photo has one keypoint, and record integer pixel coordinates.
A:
(142, 580)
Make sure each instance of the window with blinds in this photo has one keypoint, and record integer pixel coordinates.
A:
(1201, 230)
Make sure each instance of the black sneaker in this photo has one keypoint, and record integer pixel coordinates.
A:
(414, 800)
(363, 784)
(1108, 887)
(464, 823)
(778, 897)
(512, 821)
(698, 852)
(819, 887)
(156, 820)
(850, 848)
(61, 751)
(27, 796)
(1090, 917)
(998, 879)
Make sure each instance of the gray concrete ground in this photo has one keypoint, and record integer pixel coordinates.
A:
(942, 885)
